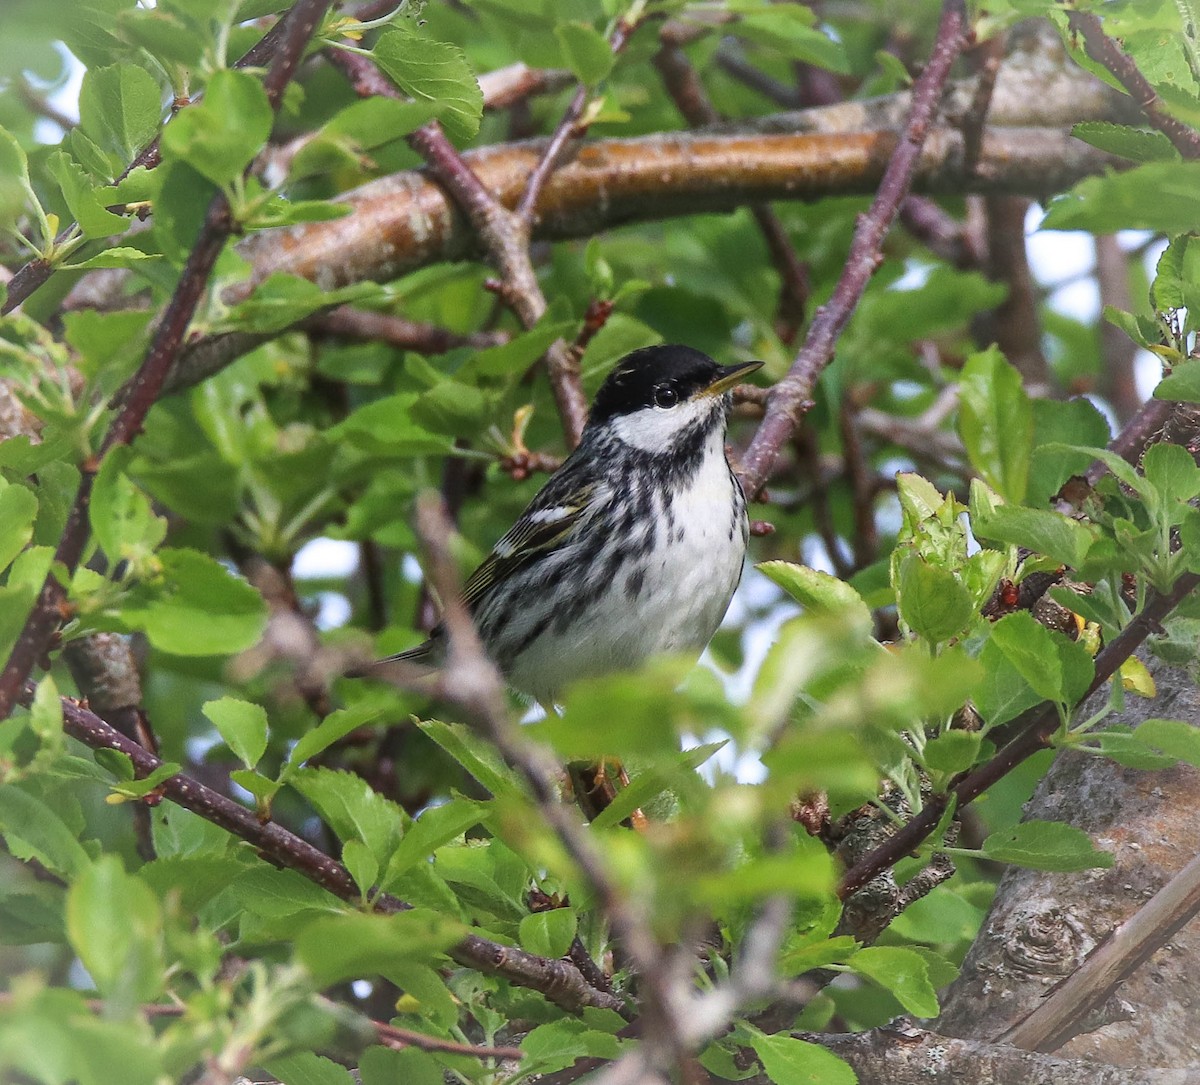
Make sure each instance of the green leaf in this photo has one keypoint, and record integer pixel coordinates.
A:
(200, 609)
(1045, 845)
(15, 190)
(308, 1068)
(820, 592)
(901, 971)
(1073, 421)
(203, 137)
(789, 29)
(120, 513)
(385, 1066)
(356, 944)
(363, 866)
(1174, 737)
(1172, 471)
(33, 830)
(120, 108)
(353, 809)
(932, 601)
(586, 51)
(1117, 201)
(18, 509)
(115, 925)
(1121, 745)
(242, 725)
(282, 894)
(952, 751)
(520, 352)
(1055, 668)
(1043, 531)
(434, 71)
(387, 428)
(789, 1061)
(1182, 383)
(548, 934)
(281, 300)
(1135, 143)
(995, 421)
(334, 727)
(435, 827)
(86, 201)
(478, 758)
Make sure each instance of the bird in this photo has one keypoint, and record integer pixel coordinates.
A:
(633, 547)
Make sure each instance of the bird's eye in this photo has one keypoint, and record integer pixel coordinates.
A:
(665, 396)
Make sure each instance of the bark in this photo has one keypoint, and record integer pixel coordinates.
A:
(1042, 925)
(908, 1056)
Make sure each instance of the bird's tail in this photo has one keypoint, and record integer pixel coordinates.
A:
(427, 654)
(424, 654)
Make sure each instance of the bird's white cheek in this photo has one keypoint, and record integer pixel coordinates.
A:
(654, 430)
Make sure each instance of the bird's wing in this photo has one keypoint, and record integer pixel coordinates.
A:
(539, 530)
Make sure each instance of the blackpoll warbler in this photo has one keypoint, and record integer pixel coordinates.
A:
(633, 547)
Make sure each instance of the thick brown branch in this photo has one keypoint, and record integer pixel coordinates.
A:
(406, 221)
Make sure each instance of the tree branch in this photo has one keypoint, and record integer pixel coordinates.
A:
(1102, 49)
(140, 394)
(505, 235)
(1036, 728)
(559, 981)
(790, 399)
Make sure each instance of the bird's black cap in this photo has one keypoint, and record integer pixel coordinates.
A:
(642, 378)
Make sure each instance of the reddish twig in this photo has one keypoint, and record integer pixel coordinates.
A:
(504, 234)
(791, 397)
(1104, 50)
(981, 101)
(569, 129)
(140, 394)
(1035, 731)
(559, 981)
(394, 1036)
(941, 233)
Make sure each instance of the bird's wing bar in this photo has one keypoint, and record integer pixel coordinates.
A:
(537, 532)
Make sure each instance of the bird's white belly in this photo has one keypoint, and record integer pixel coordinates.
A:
(687, 580)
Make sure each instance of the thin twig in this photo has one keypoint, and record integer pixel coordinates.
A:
(142, 391)
(347, 322)
(394, 1036)
(504, 234)
(981, 101)
(559, 981)
(1104, 50)
(568, 130)
(791, 397)
(1036, 728)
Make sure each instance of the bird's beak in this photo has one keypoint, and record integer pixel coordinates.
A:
(729, 375)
